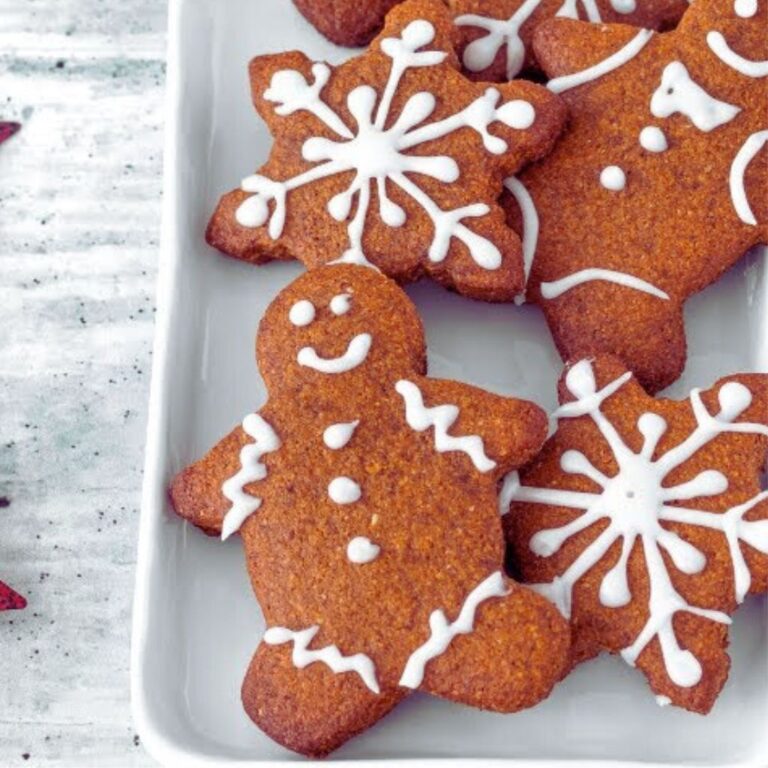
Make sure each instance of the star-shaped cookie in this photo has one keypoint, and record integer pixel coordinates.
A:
(645, 522)
(659, 184)
(497, 35)
(392, 159)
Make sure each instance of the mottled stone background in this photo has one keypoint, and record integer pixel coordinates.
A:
(80, 193)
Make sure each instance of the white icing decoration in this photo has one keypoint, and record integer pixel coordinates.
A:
(551, 290)
(612, 177)
(652, 139)
(357, 351)
(530, 225)
(302, 656)
(624, 6)
(361, 550)
(663, 701)
(480, 53)
(441, 418)
(746, 9)
(376, 151)
(302, 313)
(509, 486)
(265, 440)
(635, 502)
(679, 93)
(344, 490)
(337, 436)
(719, 46)
(614, 61)
(340, 304)
(442, 633)
(568, 10)
(738, 168)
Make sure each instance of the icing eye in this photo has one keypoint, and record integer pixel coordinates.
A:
(302, 313)
(340, 304)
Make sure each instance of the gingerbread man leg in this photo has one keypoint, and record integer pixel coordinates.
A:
(294, 706)
(511, 658)
(597, 316)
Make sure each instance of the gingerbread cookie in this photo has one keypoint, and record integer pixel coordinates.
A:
(10, 600)
(393, 158)
(643, 520)
(658, 186)
(497, 35)
(366, 497)
(346, 22)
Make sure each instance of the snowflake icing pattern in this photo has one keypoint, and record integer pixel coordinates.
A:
(377, 153)
(635, 503)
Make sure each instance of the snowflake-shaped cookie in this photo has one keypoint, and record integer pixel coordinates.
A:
(657, 187)
(496, 42)
(392, 159)
(643, 520)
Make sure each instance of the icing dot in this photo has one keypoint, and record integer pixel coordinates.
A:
(746, 9)
(653, 139)
(613, 178)
(338, 435)
(302, 313)
(517, 114)
(624, 6)
(344, 490)
(362, 550)
(340, 304)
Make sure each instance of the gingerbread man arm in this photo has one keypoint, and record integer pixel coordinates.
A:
(310, 710)
(196, 492)
(564, 46)
(497, 433)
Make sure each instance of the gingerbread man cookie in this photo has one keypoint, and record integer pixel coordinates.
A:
(658, 186)
(346, 22)
(366, 497)
(644, 521)
(497, 35)
(392, 159)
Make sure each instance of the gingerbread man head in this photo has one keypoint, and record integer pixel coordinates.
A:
(366, 497)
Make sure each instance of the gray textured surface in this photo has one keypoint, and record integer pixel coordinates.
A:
(80, 191)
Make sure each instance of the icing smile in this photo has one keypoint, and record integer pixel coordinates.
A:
(356, 353)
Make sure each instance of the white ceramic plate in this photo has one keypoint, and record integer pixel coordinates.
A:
(196, 622)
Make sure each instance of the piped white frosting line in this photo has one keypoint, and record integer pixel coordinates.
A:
(530, 225)
(357, 351)
(302, 656)
(442, 632)
(555, 288)
(614, 61)
(679, 93)
(441, 418)
(719, 46)
(738, 168)
(338, 435)
(251, 470)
